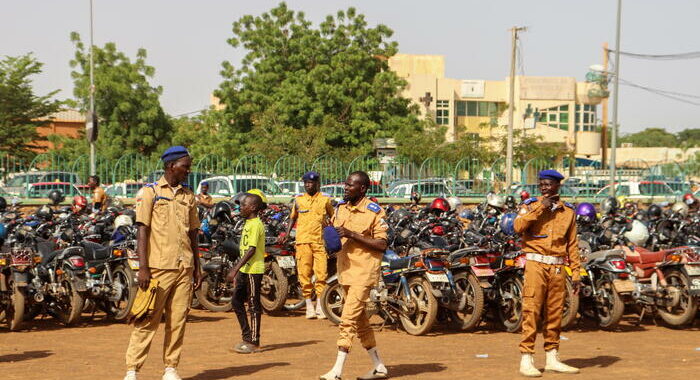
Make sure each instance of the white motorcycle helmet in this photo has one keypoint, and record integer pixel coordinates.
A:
(638, 235)
(122, 220)
(496, 200)
(454, 202)
(680, 208)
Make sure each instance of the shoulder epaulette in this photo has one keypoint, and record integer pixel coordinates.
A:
(375, 208)
(325, 194)
(151, 184)
(569, 205)
(298, 195)
(342, 202)
(530, 200)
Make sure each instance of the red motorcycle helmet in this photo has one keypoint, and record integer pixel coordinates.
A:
(689, 199)
(79, 204)
(440, 204)
(524, 195)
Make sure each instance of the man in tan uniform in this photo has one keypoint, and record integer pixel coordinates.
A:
(204, 198)
(310, 212)
(547, 227)
(166, 216)
(361, 226)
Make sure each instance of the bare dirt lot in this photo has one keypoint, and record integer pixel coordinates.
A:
(296, 348)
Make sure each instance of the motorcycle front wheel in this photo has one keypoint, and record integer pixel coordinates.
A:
(209, 294)
(125, 279)
(332, 300)
(571, 305)
(609, 305)
(69, 306)
(14, 313)
(274, 289)
(510, 311)
(420, 318)
(469, 317)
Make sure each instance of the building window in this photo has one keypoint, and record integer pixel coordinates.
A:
(476, 108)
(442, 114)
(586, 118)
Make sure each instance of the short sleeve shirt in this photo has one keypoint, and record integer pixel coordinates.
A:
(253, 236)
(205, 199)
(171, 213)
(358, 264)
(310, 212)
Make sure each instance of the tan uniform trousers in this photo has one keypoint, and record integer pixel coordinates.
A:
(544, 292)
(354, 320)
(312, 259)
(173, 297)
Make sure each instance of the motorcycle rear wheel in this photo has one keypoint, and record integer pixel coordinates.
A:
(273, 294)
(571, 305)
(469, 318)
(683, 314)
(119, 310)
(71, 306)
(208, 299)
(420, 322)
(14, 313)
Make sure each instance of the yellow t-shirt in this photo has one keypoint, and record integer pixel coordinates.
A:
(253, 236)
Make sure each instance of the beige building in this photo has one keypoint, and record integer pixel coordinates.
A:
(557, 108)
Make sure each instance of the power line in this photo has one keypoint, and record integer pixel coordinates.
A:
(660, 57)
(190, 113)
(668, 94)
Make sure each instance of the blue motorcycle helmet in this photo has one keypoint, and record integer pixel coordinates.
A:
(3, 231)
(508, 223)
(466, 214)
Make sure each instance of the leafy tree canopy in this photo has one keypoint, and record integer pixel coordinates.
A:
(21, 110)
(651, 137)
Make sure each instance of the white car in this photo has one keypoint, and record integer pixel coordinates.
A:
(658, 190)
(230, 185)
(425, 189)
(291, 187)
(124, 190)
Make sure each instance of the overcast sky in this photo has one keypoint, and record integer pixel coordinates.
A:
(186, 42)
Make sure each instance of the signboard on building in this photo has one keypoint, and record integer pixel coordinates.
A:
(547, 88)
(472, 89)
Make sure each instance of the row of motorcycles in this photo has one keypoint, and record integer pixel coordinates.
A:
(445, 264)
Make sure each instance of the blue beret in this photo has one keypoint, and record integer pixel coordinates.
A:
(173, 153)
(204, 183)
(551, 174)
(332, 240)
(311, 176)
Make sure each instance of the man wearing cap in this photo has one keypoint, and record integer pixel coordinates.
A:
(547, 227)
(310, 212)
(363, 232)
(204, 198)
(166, 217)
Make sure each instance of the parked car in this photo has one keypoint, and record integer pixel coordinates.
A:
(424, 188)
(124, 190)
(226, 186)
(42, 189)
(18, 183)
(640, 190)
(193, 179)
(291, 187)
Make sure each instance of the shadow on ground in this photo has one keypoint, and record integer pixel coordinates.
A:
(602, 361)
(234, 371)
(26, 355)
(414, 369)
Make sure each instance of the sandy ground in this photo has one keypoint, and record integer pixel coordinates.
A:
(296, 348)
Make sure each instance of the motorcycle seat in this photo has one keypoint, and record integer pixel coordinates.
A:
(94, 251)
(400, 263)
(644, 256)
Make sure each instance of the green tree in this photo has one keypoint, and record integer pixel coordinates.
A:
(203, 134)
(689, 137)
(299, 86)
(130, 115)
(651, 137)
(21, 110)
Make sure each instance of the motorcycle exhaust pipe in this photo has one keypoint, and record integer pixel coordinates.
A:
(39, 297)
(95, 292)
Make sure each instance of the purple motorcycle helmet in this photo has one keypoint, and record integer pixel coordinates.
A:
(586, 210)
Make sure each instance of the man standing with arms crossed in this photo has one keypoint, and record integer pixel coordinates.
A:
(361, 226)
(548, 230)
(310, 212)
(99, 197)
(166, 216)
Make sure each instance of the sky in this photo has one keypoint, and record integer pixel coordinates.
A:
(186, 42)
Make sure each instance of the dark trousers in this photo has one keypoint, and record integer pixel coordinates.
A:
(248, 290)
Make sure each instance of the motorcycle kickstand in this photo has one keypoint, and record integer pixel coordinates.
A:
(641, 316)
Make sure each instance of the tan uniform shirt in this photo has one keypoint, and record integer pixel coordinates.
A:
(310, 212)
(549, 232)
(205, 200)
(357, 264)
(171, 213)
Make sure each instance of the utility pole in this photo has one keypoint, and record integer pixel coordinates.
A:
(613, 143)
(93, 118)
(511, 107)
(604, 126)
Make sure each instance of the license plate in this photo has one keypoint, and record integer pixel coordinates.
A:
(693, 270)
(695, 284)
(286, 261)
(623, 286)
(441, 277)
(134, 264)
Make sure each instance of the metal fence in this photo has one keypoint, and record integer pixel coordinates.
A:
(395, 178)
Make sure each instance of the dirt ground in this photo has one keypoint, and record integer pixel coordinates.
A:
(296, 348)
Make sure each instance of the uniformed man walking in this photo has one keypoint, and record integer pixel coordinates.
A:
(361, 226)
(166, 216)
(548, 230)
(310, 212)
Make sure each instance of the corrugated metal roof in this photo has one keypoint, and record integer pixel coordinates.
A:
(68, 115)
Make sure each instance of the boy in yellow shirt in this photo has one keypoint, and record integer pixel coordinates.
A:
(248, 272)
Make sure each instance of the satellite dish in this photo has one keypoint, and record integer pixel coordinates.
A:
(597, 67)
